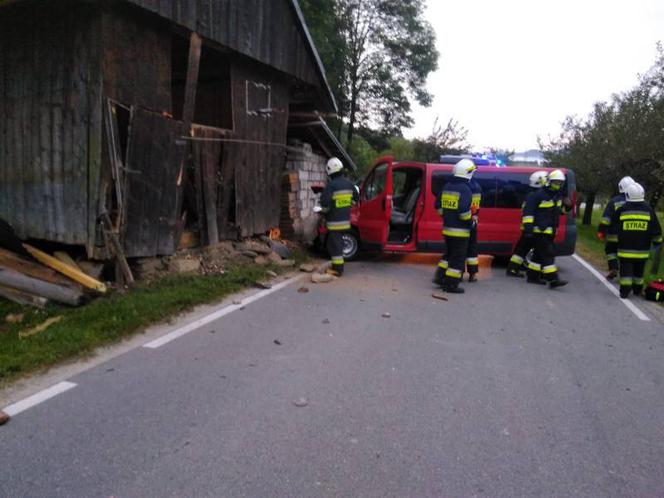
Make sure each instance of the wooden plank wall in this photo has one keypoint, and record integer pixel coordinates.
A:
(155, 158)
(257, 168)
(137, 60)
(265, 30)
(45, 66)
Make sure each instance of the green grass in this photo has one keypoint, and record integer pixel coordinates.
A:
(592, 248)
(110, 318)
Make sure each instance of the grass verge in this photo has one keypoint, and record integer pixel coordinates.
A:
(108, 319)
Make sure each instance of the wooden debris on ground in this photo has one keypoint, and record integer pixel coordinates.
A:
(39, 328)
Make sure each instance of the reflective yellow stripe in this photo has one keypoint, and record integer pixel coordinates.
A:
(451, 272)
(626, 281)
(534, 266)
(456, 232)
(605, 221)
(338, 225)
(443, 264)
(645, 217)
(527, 219)
(338, 260)
(547, 230)
(634, 255)
(612, 238)
(472, 261)
(466, 216)
(549, 269)
(342, 200)
(546, 204)
(516, 259)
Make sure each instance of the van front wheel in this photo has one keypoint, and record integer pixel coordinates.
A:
(351, 242)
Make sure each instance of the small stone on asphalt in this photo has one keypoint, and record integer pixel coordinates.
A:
(326, 321)
(439, 295)
(301, 402)
(277, 342)
(303, 290)
(386, 315)
(4, 418)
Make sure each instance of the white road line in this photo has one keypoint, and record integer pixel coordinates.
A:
(171, 336)
(630, 305)
(40, 397)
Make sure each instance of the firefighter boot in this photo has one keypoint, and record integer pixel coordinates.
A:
(612, 274)
(557, 283)
(438, 276)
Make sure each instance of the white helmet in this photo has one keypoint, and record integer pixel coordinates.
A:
(556, 175)
(624, 183)
(464, 169)
(538, 179)
(635, 192)
(334, 165)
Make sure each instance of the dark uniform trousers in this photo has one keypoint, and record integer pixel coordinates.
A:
(472, 260)
(631, 275)
(452, 263)
(542, 263)
(335, 248)
(611, 251)
(523, 247)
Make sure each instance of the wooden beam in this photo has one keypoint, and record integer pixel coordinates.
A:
(20, 282)
(65, 269)
(189, 107)
(22, 297)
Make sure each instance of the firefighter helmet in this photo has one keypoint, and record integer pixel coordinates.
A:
(556, 179)
(334, 165)
(625, 182)
(635, 193)
(537, 179)
(464, 169)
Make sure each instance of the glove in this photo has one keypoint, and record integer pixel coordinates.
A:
(567, 202)
(601, 236)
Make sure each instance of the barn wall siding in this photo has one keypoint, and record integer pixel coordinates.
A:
(258, 168)
(45, 71)
(266, 31)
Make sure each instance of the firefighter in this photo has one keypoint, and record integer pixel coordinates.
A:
(637, 227)
(527, 241)
(336, 201)
(472, 260)
(454, 205)
(544, 207)
(605, 235)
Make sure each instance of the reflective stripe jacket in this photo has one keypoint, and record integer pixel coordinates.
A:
(637, 227)
(527, 219)
(454, 205)
(336, 201)
(541, 213)
(476, 199)
(604, 226)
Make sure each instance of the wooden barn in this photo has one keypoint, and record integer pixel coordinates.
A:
(165, 115)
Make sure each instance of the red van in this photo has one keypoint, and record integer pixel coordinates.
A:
(396, 210)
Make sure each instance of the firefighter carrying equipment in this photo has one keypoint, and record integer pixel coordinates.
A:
(336, 202)
(638, 229)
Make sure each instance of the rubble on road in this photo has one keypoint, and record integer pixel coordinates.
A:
(322, 278)
(4, 418)
(307, 268)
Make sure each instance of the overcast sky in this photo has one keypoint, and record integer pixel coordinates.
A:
(511, 70)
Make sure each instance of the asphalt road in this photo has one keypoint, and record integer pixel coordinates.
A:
(510, 390)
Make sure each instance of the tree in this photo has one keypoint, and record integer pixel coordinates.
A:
(448, 139)
(378, 55)
(391, 52)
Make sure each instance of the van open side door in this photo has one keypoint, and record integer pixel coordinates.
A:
(376, 205)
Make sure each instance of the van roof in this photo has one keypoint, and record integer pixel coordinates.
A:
(506, 169)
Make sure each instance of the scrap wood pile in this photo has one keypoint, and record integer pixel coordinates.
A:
(33, 277)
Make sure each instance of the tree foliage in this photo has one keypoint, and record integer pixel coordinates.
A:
(379, 54)
(624, 136)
